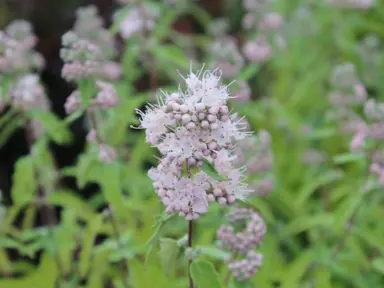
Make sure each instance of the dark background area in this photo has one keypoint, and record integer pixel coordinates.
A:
(50, 20)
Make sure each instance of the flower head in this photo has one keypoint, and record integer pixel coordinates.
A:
(190, 127)
(241, 237)
(16, 49)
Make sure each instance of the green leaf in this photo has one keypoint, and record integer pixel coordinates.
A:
(169, 250)
(24, 181)
(311, 186)
(378, 265)
(161, 220)
(322, 133)
(110, 181)
(323, 278)
(248, 72)
(145, 276)
(9, 128)
(68, 200)
(7, 242)
(96, 275)
(55, 129)
(131, 53)
(170, 55)
(305, 223)
(86, 249)
(297, 270)
(164, 23)
(204, 275)
(210, 170)
(348, 158)
(370, 238)
(86, 169)
(87, 90)
(65, 239)
(348, 208)
(213, 252)
(43, 277)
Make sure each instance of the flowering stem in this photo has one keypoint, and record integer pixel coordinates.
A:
(123, 262)
(46, 211)
(190, 227)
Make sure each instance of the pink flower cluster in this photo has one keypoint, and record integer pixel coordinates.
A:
(264, 23)
(137, 19)
(105, 152)
(246, 267)
(241, 238)
(241, 91)
(90, 26)
(369, 136)
(28, 94)
(226, 56)
(347, 93)
(369, 50)
(106, 97)
(18, 60)
(189, 128)
(17, 56)
(255, 154)
(88, 49)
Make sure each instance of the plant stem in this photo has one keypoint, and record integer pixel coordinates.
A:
(123, 263)
(190, 231)
(47, 212)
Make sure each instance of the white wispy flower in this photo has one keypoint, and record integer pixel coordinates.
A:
(188, 128)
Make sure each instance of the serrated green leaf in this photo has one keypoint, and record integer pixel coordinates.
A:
(204, 275)
(169, 250)
(161, 220)
(210, 170)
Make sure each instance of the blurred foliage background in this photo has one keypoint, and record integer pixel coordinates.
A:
(323, 228)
